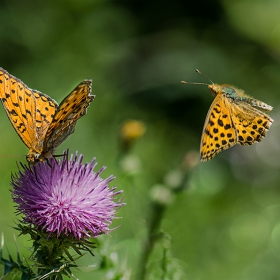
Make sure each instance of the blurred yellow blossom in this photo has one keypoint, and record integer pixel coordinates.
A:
(130, 131)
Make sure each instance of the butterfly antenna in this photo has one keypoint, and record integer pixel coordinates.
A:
(197, 71)
(191, 83)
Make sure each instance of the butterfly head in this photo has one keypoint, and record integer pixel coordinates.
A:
(33, 157)
(216, 89)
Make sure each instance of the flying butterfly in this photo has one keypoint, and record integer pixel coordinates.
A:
(233, 118)
(39, 121)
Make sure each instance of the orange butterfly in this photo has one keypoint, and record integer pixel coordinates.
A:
(41, 124)
(233, 118)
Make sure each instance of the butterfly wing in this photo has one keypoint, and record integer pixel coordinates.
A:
(19, 104)
(251, 124)
(29, 111)
(219, 131)
(69, 111)
(45, 111)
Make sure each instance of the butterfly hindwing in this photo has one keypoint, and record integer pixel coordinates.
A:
(251, 124)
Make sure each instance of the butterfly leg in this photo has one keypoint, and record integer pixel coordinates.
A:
(48, 163)
(65, 154)
(55, 156)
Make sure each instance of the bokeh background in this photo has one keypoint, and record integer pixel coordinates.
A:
(221, 219)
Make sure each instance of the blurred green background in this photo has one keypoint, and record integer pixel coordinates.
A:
(224, 221)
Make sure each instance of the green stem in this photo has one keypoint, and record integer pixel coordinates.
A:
(157, 213)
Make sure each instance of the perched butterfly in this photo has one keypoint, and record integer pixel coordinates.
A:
(233, 118)
(39, 121)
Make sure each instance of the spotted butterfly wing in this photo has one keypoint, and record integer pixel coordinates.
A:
(45, 110)
(29, 111)
(251, 124)
(219, 132)
(69, 111)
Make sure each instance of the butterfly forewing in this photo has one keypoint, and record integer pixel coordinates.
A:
(19, 103)
(69, 111)
(219, 132)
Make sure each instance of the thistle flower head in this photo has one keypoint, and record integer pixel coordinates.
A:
(65, 198)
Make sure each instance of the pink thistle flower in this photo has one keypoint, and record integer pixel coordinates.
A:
(67, 199)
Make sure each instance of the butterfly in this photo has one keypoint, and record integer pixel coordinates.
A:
(233, 118)
(39, 121)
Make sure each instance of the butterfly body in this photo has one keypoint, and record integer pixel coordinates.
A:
(40, 122)
(233, 118)
(238, 95)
